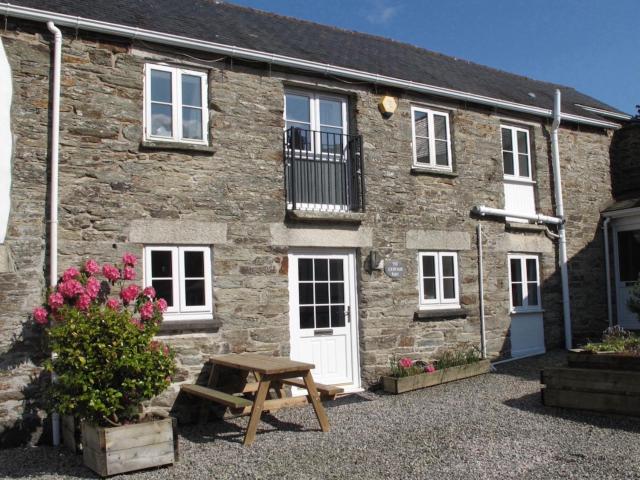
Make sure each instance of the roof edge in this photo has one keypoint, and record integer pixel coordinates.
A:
(126, 31)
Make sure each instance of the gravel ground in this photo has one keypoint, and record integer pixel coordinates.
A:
(492, 426)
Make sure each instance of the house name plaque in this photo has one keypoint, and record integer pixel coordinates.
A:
(394, 269)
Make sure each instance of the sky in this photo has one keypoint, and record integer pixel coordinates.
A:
(590, 45)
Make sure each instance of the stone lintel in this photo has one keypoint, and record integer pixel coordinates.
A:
(177, 232)
(524, 243)
(437, 240)
(320, 236)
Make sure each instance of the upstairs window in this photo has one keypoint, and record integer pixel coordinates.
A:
(431, 139)
(182, 276)
(516, 157)
(524, 278)
(438, 279)
(175, 105)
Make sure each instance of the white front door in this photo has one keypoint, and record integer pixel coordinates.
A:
(627, 262)
(527, 323)
(323, 315)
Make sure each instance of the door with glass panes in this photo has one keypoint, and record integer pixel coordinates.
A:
(323, 316)
(627, 265)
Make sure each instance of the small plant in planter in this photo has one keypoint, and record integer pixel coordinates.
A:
(101, 328)
(452, 364)
(616, 340)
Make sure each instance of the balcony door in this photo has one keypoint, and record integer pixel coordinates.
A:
(317, 141)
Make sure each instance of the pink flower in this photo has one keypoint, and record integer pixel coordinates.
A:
(110, 272)
(128, 273)
(149, 292)
(129, 293)
(70, 288)
(137, 323)
(165, 350)
(146, 311)
(161, 304)
(430, 368)
(405, 362)
(91, 267)
(113, 303)
(41, 316)
(70, 274)
(83, 302)
(154, 345)
(93, 287)
(129, 259)
(56, 300)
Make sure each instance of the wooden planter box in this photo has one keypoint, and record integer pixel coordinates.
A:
(415, 382)
(603, 360)
(597, 389)
(113, 450)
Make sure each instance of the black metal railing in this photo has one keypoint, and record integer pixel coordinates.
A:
(323, 170)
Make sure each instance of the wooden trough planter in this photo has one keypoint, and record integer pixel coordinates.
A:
(602, 382)
(415, 382)
(112, 450)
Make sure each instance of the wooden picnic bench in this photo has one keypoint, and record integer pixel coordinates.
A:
(270, 373)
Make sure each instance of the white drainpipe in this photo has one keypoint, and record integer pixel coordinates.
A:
(607, 268)
(498, 212)
(483, 335)
(562, 241)
(55, 134)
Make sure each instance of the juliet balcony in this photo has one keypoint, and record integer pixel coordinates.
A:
(323, 172)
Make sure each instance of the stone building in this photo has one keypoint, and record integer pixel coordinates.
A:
(292, 189)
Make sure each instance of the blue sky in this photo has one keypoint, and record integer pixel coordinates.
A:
(591, 45)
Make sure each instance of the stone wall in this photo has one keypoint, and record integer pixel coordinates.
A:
(624, 161)
(109, 183)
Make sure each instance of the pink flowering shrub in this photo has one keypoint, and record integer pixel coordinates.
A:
(102, 330)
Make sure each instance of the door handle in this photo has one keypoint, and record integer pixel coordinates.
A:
(347, 314)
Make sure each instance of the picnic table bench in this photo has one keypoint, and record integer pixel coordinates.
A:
(270, 372)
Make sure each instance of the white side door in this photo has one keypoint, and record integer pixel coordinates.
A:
(323, 316)
(527, 323)
(627, 269)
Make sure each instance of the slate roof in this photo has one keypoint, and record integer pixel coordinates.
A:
(233, 25)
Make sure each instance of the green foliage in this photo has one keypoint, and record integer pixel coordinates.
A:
(106, 364)
(616, 339)
(460, 355)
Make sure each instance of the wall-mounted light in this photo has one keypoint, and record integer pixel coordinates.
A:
(376, 262)
(388, 106)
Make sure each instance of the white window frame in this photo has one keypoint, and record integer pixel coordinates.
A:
(525, 295)
(314, 108)
(180, 311)
(432, 140)
(176, 105)
(438, 302)
(516, 154)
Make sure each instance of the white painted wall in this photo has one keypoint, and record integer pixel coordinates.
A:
(6, 87)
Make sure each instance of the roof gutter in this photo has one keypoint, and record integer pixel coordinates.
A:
(282, 60)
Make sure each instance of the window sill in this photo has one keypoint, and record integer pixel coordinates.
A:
(176, 146)
(440, 314)
(203, 324)
(522, 181)
(321, 216)
(416, 170)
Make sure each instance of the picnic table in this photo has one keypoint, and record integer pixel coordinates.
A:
(270, 373)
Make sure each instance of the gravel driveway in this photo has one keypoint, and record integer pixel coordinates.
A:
(487, 427)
